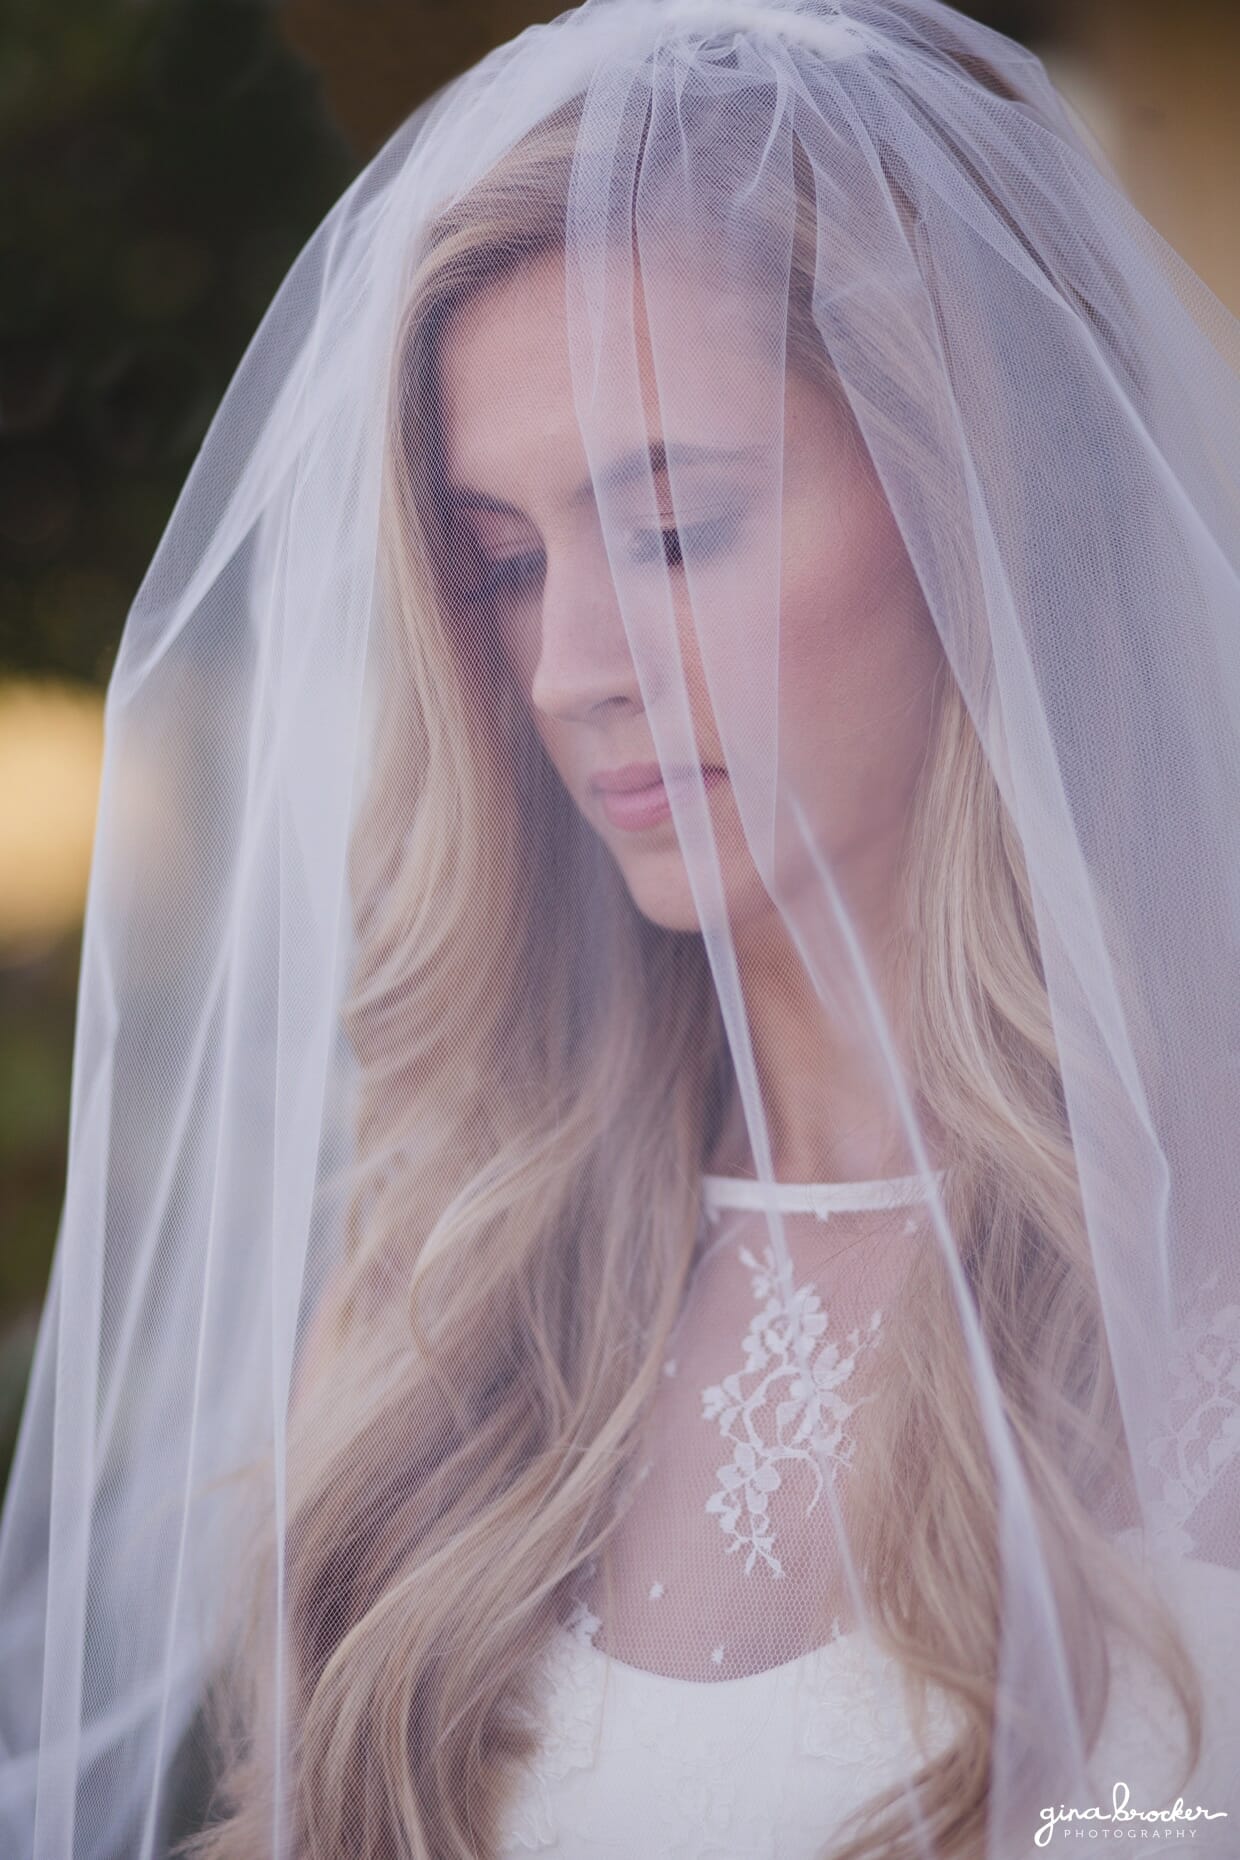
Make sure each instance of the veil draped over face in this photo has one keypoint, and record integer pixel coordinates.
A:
(656, 1113)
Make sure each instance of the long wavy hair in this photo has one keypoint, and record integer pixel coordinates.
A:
(469, 1415)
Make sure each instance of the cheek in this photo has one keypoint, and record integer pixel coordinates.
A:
(516, 643)
(557, 744)
(857, 648)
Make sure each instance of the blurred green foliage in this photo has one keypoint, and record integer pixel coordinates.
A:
(165, 163)
(36, 1010)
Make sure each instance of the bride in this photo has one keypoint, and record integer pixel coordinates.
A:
(647, 1263)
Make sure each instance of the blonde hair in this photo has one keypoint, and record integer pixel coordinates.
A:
(467, 1430)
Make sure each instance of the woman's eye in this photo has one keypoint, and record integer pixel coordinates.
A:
(511, 574)
(693, 540)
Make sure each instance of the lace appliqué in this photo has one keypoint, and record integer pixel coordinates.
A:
(568, 1735)
(794, 1373)
(1205, 1399)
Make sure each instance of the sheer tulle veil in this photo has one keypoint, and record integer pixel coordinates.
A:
(658, 1056)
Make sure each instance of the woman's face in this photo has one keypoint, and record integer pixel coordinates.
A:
(808, 656)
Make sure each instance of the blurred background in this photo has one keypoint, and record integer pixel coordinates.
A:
(164, 161)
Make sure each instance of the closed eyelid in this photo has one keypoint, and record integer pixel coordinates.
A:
(501, 536)
(702, 536)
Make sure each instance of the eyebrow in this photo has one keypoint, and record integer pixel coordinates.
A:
(631, 468)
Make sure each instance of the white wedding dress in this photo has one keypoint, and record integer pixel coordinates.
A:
(737, 1757)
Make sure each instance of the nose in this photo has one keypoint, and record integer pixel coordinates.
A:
(583, 660)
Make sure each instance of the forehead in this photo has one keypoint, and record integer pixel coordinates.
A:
(677, 356)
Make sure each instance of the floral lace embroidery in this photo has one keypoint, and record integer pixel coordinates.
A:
(568, 1735)
(792, 1365)
(851, 1715)
(1205, 1394)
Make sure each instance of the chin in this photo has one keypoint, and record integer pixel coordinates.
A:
(663, 896)
(668, 913)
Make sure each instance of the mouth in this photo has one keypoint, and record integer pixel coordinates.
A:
(636, 797)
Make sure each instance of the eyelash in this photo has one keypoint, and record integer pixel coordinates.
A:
(511, 575)
(706, 538)
(516, 572)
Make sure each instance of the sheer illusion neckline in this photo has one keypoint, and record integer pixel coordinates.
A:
(821, 1198)
(843, 1645)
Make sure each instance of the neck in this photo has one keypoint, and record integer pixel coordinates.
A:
(827, 1106)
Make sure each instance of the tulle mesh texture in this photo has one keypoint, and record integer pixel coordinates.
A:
(729, 1559)
(701, 646)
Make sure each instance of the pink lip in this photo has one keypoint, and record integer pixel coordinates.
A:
(636, 796)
